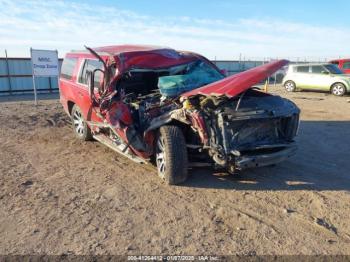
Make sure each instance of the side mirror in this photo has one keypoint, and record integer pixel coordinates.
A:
(325, 72)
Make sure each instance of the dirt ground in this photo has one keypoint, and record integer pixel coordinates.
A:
(62, 196)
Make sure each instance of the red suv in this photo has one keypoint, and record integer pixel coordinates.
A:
(343, 64)
(176, 109)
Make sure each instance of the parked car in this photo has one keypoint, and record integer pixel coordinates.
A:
(322, 77)
(176, 109)
(343, 64)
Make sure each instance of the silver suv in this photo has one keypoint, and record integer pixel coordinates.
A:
(322, 77)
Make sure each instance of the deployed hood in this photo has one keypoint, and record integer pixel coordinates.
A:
(236, 84)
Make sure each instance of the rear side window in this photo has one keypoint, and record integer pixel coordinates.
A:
(317, 69)
(302, 69)
(91, 65)
(68, 67)
(346, 65)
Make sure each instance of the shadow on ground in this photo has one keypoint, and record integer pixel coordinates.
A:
(321, 163)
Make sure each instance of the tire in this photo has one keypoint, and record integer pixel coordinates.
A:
(80, 128)
(290, 86)
(171, 155)
(338, 89)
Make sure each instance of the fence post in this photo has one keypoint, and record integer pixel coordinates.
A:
(8, 72)
(33, 77)
(50, 87)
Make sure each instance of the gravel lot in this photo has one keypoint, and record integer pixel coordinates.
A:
(62, 196)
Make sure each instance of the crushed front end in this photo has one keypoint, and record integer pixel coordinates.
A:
(251, 130)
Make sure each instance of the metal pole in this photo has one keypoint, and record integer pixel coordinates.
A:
(35, 95)
(240, 62)
(50, 86)
(58, 64)
(8, 72)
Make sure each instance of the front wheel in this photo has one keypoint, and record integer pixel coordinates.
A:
(171, 155)
(338, 89)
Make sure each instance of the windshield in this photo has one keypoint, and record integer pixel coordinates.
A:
(333, 69)
(187, 77)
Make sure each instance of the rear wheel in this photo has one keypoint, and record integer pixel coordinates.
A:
(81, 129)
(290, 86)
(338, 89)
(171, 155)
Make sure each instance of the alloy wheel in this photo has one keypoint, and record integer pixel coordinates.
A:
(78, 123)
(289, 86)
(338, 89)
(160, 156)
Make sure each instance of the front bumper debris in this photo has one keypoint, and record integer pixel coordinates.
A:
(265, 159)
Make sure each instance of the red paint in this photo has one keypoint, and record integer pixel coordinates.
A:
(236, 84)
(199, 124)
(116, 113)
(343, 64)
(127, 56)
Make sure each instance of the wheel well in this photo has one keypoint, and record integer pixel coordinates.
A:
(346, 89)
(289, 81)
(190, 136)
(70, 106)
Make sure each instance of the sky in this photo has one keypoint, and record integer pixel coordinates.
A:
(221, 29)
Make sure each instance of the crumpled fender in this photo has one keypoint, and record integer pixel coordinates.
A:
(166, 118)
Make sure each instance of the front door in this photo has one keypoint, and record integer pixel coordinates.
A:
(321, 78)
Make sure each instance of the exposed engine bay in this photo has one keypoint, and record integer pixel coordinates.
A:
(177, 110)
(253, 123)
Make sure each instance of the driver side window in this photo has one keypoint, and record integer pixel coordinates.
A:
(91, 65)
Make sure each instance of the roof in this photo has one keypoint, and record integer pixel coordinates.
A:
(118, 49)
(140, 56)
(115, 50)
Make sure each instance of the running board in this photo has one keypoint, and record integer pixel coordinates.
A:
(199, 164)
(107, 142)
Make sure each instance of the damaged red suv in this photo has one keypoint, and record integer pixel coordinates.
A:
(176, 109)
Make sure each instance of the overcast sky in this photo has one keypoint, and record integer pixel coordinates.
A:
(217, 29)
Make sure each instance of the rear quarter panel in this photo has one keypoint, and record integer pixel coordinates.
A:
(301, 80)
(71, 91)
(67, 88)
